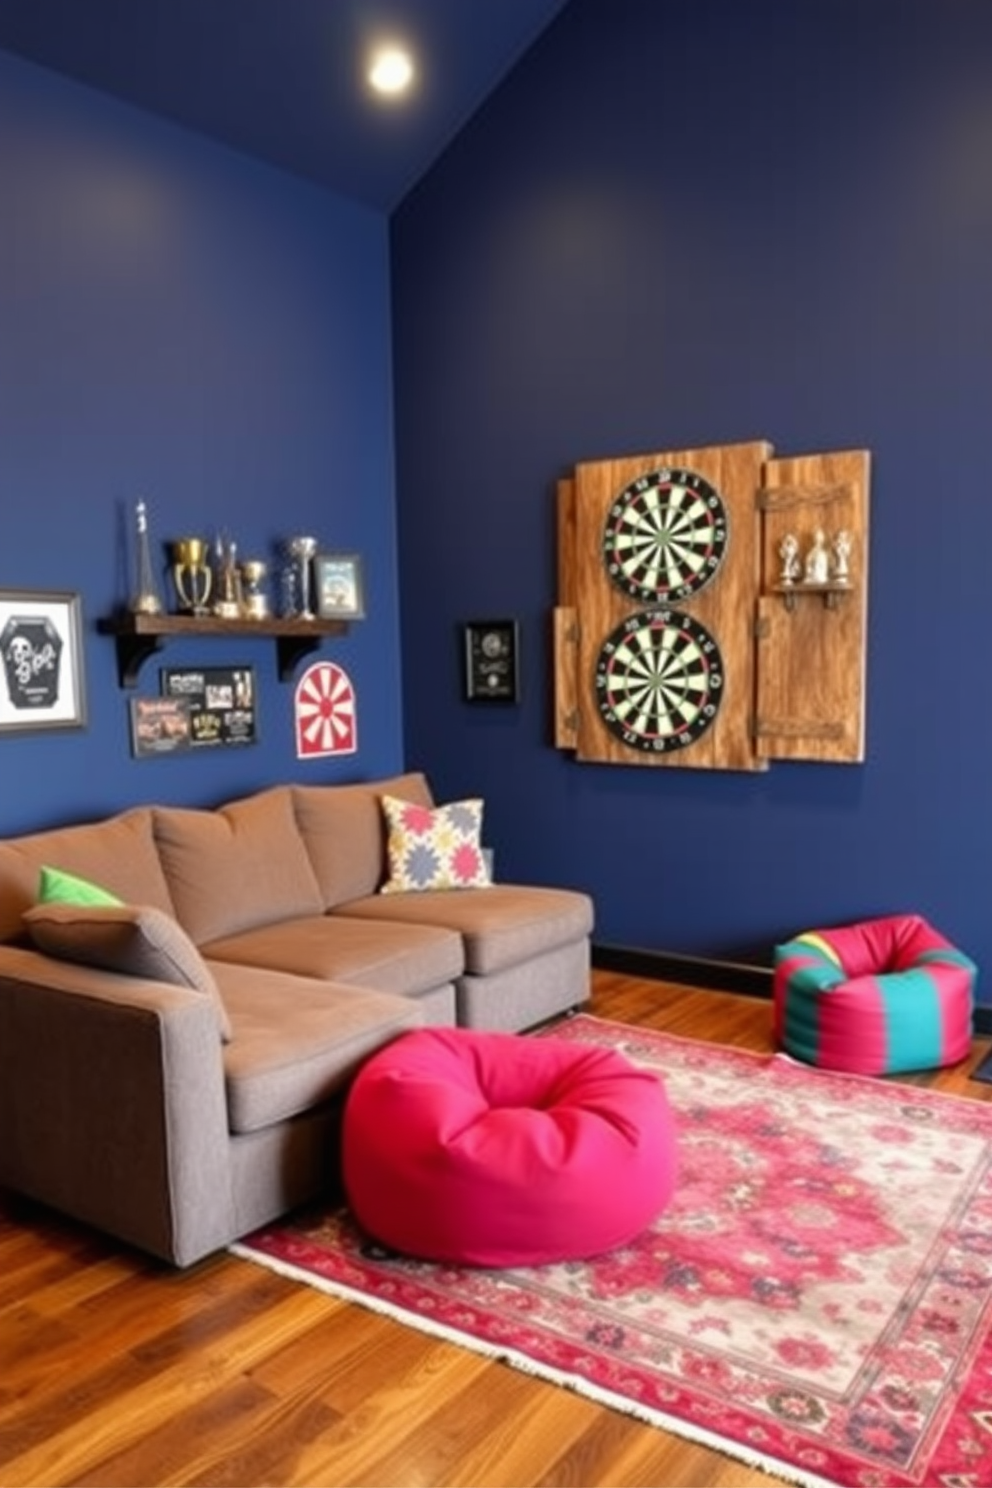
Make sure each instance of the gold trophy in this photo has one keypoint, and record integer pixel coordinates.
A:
(191, 574)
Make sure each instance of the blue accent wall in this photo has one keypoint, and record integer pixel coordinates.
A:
(675, 224)
(686, 224)
(180, 323)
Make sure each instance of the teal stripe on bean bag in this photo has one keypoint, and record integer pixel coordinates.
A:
(912, 1019)
(949, 958)
(801, 1030)
(790, 948)
(819, 976)
(807, 985)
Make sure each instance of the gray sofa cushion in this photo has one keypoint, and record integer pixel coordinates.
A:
(135, 940)
(402, 959)
(276, 1067)
(241, 865)
(500, 926)
(345, 835)
(118, 854)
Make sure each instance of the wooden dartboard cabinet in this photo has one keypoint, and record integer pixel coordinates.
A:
(683, 635)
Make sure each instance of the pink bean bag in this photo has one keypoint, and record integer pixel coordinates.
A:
(881, 997)
(494, 1149)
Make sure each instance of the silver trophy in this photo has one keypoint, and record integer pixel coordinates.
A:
(146, 599)
(841, 545)
(788, 551)
(302, 550)
(227, 578)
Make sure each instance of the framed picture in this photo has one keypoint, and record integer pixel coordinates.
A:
(338, 582)
(221, 703)
(41, 661)
(159, 726)
(492, 667)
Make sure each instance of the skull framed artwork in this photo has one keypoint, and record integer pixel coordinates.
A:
(41, 661)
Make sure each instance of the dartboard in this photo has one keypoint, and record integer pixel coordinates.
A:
(659, 680)
(665, 535)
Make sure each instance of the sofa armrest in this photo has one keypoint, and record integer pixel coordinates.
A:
(112, 1104)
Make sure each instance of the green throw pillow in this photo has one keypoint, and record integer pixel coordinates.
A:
(58, 887)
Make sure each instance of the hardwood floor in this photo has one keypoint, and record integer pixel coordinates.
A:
(117, 1371)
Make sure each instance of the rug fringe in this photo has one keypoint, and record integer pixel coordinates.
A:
(735, 1450)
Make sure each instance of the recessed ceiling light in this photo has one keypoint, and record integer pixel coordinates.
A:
(391, 70)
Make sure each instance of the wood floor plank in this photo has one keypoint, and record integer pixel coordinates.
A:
(127, 1400)
(352, 1350)
(237, 1436)
(437, 1394)
(516, 1428)
(484, 1435)
(117, 1371)
(101, 1345)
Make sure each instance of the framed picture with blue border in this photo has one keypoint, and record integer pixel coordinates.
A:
(339, 586)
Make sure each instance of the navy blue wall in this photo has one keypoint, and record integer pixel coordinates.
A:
(686, 224)
(180, 323)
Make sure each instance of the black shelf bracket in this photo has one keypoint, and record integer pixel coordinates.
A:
(132, 653)
(290, 651)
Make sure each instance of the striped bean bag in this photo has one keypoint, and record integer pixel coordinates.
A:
(876, 998)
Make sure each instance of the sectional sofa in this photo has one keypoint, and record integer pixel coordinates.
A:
(173, 1061)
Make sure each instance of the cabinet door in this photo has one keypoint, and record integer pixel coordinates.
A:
(811, 638)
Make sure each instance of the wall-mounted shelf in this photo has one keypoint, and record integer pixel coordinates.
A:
(829, 593)
(139, 636)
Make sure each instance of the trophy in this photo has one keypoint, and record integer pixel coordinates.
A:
(254, 600)
(145, 600)
(302, 549)
(227, 590)
(841, 546)
(191, 574)
(788, 551)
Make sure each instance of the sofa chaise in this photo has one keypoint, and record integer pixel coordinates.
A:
(173, 1063)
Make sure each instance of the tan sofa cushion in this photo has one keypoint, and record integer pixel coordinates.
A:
(118, 854)
(275, 1068)
(403, 959)
(500, 926)
(345, 835)
(241, 865)
(136, 941)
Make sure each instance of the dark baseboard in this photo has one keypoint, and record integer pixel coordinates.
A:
(689, 971)
(702, 971)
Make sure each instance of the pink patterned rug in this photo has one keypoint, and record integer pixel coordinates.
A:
(816, 1301)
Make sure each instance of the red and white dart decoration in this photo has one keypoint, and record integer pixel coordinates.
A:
(325, 712)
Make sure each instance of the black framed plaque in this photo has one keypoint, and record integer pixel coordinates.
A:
(492, 661)
(220, 701)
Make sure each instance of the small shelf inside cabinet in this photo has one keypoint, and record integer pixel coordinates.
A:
(829, 593)
(138, 637)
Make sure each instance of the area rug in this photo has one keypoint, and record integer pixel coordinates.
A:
(816, 1301)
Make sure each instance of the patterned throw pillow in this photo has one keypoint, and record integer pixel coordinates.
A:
(433, 849)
